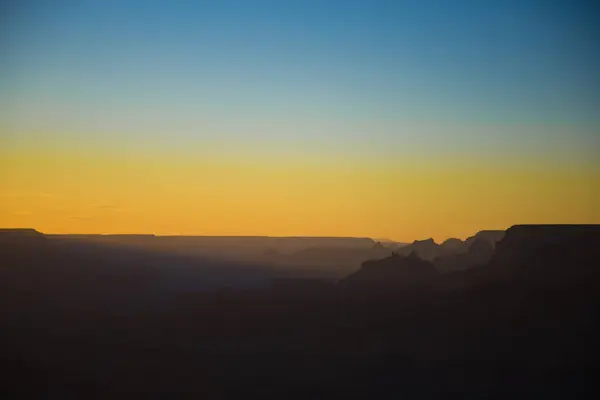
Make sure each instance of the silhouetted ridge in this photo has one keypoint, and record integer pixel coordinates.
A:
(477, 253)
(426, 249)
(452, 245)
(246, 245)
(81, 317)
(548, 253)
(480, 251)
(20, 237)
(448, 251)
(490, 236)
(395, 270)
(19, 232)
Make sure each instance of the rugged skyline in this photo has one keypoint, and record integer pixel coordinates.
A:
(379, 199)
(516, 317)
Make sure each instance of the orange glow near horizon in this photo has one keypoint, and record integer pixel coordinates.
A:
(400, 200)
(391, 120)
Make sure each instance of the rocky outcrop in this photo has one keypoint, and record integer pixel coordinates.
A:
(426, 249)
(393, 271)
(489, 236)
(453, 246)
(19, 233)
(20, 237)
(453, 253)
(548, 253)
(478, 253)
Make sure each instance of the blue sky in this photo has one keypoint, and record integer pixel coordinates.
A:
(475, 76)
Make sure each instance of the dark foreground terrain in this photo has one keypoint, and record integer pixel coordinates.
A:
(522, 324)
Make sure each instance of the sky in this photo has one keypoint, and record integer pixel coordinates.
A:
(396, 119)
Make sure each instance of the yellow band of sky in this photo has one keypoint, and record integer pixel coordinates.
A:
(406, 199)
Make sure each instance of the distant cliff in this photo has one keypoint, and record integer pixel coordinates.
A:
(538, 255)
(392, 271)
(478, 252)
(19, 232)
(455, 254)
(489, 236)
(548, 253)
(19, 237)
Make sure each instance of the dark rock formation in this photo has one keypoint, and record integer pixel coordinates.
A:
(393, 271)
(548, 254)
(429, 250)
(525, 325)
(19, 233)
(426, 249)
(477, 253)
(490, 236)
(453, 246)
(20, 237)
